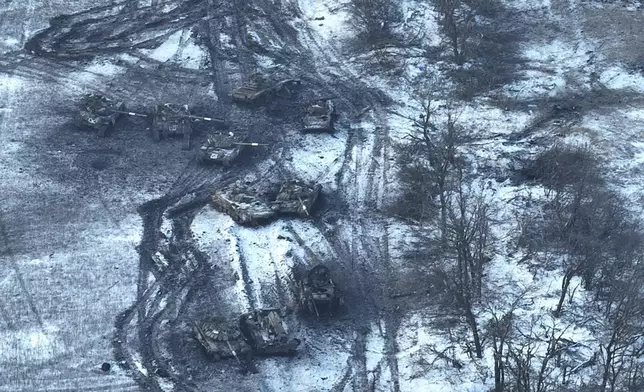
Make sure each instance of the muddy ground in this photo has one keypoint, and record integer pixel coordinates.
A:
(95, 268)
(107, 181)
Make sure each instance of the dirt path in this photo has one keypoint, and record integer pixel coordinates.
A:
(362, 180)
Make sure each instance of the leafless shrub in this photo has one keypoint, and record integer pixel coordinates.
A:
(564, 165)
(417, 200)
(375, 20)
(429, 160)
(583, 221)
(481, 33)
(535, 357)
(464, 254)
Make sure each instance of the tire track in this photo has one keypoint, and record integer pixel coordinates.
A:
(120, 387)
(374, 199)
(8, 252)
(247, 64)
(106, 29)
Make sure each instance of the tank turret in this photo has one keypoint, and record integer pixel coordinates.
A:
(99, 113)
(260, 87)
(320, 116)
(266, 333)
(317, 292)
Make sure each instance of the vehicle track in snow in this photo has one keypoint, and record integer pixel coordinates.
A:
(138, 327)
(368, 202)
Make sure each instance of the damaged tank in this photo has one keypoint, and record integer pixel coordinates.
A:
(259, 87)
(242, 204)
(172, 120)
(221, 340)
(223, 147)
(296, 197)
(266, 333)
(98, 112)
(319, 116)
(317, 292)
(247, 207)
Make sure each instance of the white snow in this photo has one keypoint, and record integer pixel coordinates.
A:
(97, 70)
(375, 347)
(317, 157)
(10, 83)
(315, 372)
(618, 78)
(19, 346)
(527, 5)
(168, 49)
(422, 370)
(265, 257)
(179, 48)
(328, 19)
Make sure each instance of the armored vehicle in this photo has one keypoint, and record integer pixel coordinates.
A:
(265, 332)
(223, 147)
(98, 112)
(241, 204)
(221, 340)
(296, 197)
(319, 116)
(317, 292)
(172, 120)
(259, 87)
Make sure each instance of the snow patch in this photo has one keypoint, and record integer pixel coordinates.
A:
(528, 5)
(167, 49)
(10, 83)
(375, 348)
(318, 157)
(179, 48)
(24, 345)
(97, 70)
(315, 372)
(422, 368)
(618, 78)
(328, 19)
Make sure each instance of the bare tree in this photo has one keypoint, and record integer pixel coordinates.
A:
(533, 356)
(468, 240)
(375, 20)
(624, 329)
(498, 331)
(434, 146)
(457, 18)
(582, 220)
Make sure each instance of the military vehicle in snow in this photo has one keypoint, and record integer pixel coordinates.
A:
(221, 340)
(224, 147)
(247, 207)
(319, 116)
(317, 292)
(172, 120)
(266, 333)
(296, 198)
(242, 204)
(260, 87)
(99, 113)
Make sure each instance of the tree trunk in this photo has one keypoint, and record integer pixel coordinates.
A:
(565, 283)
(499, 382)
(443, 202)
(471, 321)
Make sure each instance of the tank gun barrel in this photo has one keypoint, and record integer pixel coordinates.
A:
(130, 113)
(218, 120)
(251, 144)
(212, 119)
(303, 207)
(327, 98)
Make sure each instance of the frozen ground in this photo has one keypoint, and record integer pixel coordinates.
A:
(96, 269)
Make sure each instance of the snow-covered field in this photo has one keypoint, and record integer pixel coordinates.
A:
(87, 273)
